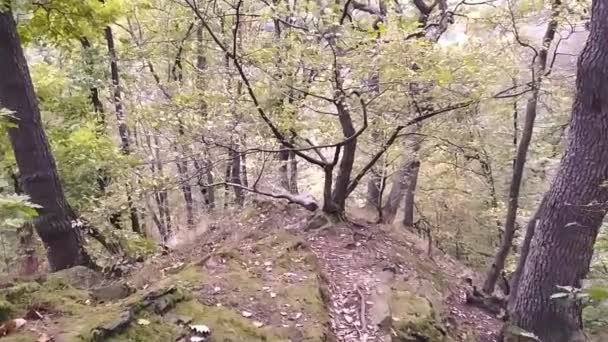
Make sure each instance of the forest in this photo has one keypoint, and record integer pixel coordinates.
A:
(304, 170)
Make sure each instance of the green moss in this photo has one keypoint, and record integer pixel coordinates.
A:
(413, 316)
(6, 309)
(226, 324)
(156, 330)
(16, 292)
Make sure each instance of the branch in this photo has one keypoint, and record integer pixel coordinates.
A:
(393, 137)
(237, 64)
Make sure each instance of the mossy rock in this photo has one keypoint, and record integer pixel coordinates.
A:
(413, 318)
(79, 277)
(6, 309)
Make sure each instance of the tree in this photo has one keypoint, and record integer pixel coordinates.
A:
(539, 66)
(38, 173)
(568, 219)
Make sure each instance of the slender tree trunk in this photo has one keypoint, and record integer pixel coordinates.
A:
(410, 193)
(575, 205)
(123, 129)
(36, 164)
(520, 160)
(402, 181)
(204, 170)
(184, 179)
(284, 169)
(293, 173)
(227, 177)
(345, 167)
(204, 179)
(235, 178)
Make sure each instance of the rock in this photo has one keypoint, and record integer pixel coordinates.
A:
(6, 309)
(79, 277)
(113, 327)
(380, 312)
(111, 292)
(413, 318)
(179, 319)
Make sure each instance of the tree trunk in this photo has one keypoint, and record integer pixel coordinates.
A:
(123, 130)
(235, 178)
(204, 179)
(36, 164)
(402, 182)
(410, 193)
(522, 153)
(345, 167)
(284, 169)
(574, 207)
(293, 173)
(374, 183)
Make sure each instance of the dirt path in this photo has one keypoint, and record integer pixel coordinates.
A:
(355, 269)
(349, 268)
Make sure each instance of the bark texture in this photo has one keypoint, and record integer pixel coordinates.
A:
(37, 169)
(574, 207)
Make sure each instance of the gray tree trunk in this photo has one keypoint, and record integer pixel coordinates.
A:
(37, 169)
(575, 205)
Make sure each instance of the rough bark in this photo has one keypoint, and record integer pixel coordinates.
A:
(575, 205)
(37, 169)
(522, 153)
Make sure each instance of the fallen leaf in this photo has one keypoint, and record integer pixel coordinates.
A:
(201, 329)
(143, 321)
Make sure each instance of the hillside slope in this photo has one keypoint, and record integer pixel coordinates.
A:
(262, 277)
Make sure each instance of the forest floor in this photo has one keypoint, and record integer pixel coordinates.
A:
(263, 277)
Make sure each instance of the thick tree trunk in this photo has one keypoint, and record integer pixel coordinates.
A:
(123, 130)
(574, 207)
(36, 164)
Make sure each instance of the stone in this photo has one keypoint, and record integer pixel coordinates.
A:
(111, 292)
(79, 277)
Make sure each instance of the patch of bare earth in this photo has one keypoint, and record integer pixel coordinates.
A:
(354, 259)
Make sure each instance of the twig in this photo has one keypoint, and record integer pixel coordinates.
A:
(362, 317)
